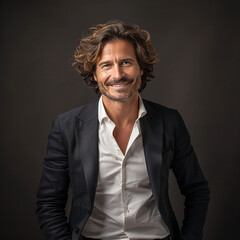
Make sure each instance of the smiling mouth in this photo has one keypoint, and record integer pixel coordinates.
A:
(120, 85)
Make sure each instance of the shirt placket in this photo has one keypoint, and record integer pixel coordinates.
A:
(127, 221)
(127, 210)
(122, 172)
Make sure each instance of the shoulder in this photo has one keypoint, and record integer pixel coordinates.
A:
(67, 120)
(173, 123)
(158, 110)
(171, 118)
(84, 113)
(65, 123)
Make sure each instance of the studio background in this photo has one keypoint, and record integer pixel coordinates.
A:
(198, 74)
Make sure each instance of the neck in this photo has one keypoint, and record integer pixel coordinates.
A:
(122, 113)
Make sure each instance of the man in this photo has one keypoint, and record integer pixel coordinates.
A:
(116, 153)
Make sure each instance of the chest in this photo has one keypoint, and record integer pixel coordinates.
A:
(118, 169)
(122, 136)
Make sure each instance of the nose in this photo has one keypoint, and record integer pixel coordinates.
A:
(117, 72)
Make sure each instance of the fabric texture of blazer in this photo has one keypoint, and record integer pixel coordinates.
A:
(72, 159)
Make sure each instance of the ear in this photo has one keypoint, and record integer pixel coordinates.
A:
(141, 72)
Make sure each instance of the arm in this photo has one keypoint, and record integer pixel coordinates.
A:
(191, 182)
(53, 189)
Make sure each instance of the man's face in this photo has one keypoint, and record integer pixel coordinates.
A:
(117, 71)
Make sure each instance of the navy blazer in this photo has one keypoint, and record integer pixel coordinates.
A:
(72, 159)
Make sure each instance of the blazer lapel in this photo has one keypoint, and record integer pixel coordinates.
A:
(152, 134)
(86, 152)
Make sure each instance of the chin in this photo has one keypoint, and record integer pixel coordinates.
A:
(119, 97)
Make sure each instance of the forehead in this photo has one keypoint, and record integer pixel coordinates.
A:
(117, 48)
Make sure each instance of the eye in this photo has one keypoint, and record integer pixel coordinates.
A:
(126, 63)
(107, 65)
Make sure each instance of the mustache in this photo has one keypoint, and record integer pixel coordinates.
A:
(122, 80)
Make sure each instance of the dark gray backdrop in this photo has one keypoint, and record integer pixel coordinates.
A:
(198, 74)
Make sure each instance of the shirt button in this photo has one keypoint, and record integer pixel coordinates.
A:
(76, 230)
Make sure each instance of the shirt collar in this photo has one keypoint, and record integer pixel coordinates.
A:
(102, 115)
(142, 110)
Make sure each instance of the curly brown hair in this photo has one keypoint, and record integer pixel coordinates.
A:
(89, 49)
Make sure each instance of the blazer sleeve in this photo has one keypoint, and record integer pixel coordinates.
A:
(192, 183)
(53, 189)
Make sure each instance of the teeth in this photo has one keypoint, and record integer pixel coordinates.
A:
(120, 85)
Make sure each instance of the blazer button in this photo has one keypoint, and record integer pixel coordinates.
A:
(76, 230)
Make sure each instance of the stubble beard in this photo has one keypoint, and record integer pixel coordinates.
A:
(133, 90)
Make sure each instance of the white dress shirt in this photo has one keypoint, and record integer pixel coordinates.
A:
(124, 206)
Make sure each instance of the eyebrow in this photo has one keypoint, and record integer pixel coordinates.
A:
(127, 59)
(122, 60)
